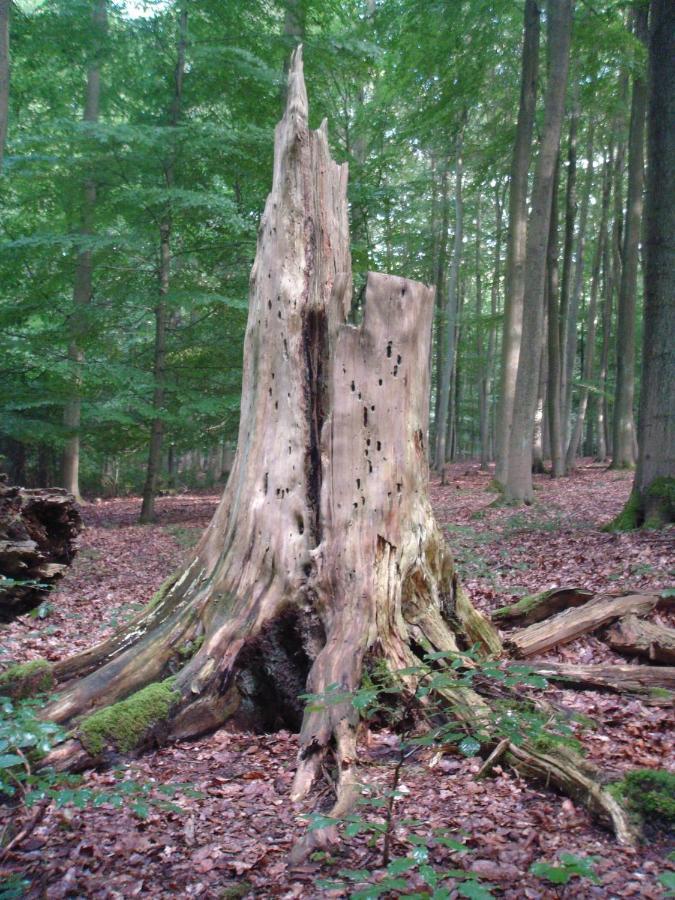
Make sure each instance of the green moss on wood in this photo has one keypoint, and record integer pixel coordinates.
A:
(190, 648)
(26, 679)
(127, 724)
(524, 605)
(164, 589)
(650, 794)
(629, 517)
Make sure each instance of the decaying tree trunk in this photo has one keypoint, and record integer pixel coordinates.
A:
(631, 636)
(572, 623)
(324, 553)
(38, 531)
(537, 607)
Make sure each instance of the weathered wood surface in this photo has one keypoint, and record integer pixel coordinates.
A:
(537, 607)
(572, 623)
(631, 636)
(616, 678)
(38, 540)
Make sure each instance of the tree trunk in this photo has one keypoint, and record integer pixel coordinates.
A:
(483, 361)
(441, 251)
(517, 237)
(554, 391)
(589, 356)
(324, 553)
(653, 499)
(494, 310)
(623, 452)
(164, 279)
(569, 336)
(450, 321)
(5, 6)
(631, 636)
(518, 487)
(84, 272)
(568, 251)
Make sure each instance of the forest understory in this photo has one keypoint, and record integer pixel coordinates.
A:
(235, 838)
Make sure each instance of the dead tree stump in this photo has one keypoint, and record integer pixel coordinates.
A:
(38, 540)
(324, 551)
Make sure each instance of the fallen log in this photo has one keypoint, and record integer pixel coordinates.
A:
(632, 637)
(537, 607)
(618, 679)
(568, 625)
(38, 533)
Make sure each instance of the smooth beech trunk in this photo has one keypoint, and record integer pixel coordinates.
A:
(84, 274)
(654, 487)
(624, 438)
(518, 487)
(517, 237)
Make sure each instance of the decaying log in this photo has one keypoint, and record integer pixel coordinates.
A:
(616, 678)
(38, 540)
(572, 623)
(631, 636)
(537, 607)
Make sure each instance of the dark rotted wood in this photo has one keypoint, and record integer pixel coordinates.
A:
(537, 607)
(38, 540)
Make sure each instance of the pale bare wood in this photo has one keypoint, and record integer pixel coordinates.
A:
(572, 623)
(537, 607)
(631, 636)
(616, 678)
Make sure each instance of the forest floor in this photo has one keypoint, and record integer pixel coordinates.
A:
(234, 839)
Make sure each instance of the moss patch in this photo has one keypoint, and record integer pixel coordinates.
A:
(26, 679)
(187, 650)
(128, 723)
(163, 590)
(629, 517)
(650, 794)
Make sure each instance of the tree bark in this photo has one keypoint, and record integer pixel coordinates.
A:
(483, 361)
(84, 272)
(450, 320)
(654, 487)
(623, 451)
(616, 678)
(518, 487)
(537, 607)
(517, 237)
(554, 390)
(591, 326)
(564, 322)
(5, 6)
(164, 282)
(632, 637)
(569, 336)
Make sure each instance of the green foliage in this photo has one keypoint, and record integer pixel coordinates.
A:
(571, 867)
(650, 793)
(128, 723)
(26, 679)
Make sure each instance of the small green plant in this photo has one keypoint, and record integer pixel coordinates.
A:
(401, 697)
(667, 879)
(650, 793)
(570, 867)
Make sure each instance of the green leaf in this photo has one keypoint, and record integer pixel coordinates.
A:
(469, 746)
(474, 890)
(7, 760)
(667, 879)
(396, 866)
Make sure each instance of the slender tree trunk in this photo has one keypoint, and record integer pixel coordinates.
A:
(623, 451)
(5, 6)
(449, 347)
(569, 337)
(587, 371)
(439, 281)
(568, 252)
(518, 486)
(164, 282)
(554, 392)
(84, 272)
(483, 361)
(517, 237)
(492, 331)
(654, 487)
(539, 439)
